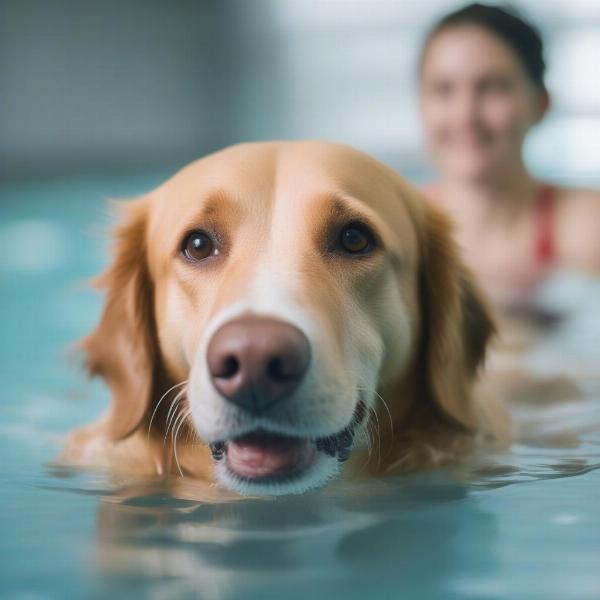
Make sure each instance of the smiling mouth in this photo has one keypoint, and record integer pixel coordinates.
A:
(263, 456)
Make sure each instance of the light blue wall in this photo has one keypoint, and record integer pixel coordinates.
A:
(118, 85)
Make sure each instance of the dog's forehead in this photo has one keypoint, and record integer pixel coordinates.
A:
(272, 166)
(257, 178)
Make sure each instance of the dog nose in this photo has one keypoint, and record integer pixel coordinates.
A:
(255, 362)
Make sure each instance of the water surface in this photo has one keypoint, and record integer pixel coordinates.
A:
(520, 524)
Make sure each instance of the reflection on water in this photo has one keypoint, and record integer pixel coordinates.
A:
(516, 524)
(351, 540)
(490, 529)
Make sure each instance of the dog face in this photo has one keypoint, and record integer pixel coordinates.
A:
(287, 284)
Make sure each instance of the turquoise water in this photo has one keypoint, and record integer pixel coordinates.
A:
(523, 524)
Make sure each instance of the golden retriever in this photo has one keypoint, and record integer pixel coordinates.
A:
(276, 310)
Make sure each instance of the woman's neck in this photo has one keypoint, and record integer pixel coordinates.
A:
(503, 196)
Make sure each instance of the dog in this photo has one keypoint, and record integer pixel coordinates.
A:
(277, 312)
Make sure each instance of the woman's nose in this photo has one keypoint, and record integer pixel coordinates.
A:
(467, 108)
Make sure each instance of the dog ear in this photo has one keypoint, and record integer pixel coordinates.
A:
(456, 322)
(122, 347)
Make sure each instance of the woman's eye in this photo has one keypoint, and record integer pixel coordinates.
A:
(198, 246)
(496, 86)
(356, 239)
(440, 89)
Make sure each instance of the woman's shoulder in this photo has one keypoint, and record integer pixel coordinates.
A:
(577, 205)
(581, 197)
(578, 226)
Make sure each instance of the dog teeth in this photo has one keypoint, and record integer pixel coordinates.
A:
(217, 449)
(338, 445)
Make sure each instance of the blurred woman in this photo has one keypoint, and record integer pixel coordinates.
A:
(481, 91)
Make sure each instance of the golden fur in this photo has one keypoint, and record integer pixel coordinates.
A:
(425, 411)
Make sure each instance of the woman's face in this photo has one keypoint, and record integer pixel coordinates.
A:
(477, 102)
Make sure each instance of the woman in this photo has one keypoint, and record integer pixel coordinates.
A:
(481, 90)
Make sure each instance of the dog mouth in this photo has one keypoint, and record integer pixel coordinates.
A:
(263, 456)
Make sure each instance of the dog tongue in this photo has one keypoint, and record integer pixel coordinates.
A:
(259, 455)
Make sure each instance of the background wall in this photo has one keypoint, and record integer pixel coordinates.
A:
(140, 84)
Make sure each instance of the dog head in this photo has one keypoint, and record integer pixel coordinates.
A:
(284, 286)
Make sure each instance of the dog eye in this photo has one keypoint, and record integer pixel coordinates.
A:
(356, 239)
(198, 246)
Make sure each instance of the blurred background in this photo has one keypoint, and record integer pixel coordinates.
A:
(106, 99)
(113, 86)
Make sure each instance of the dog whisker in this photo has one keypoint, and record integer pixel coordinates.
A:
(371, 432)
(383, 402)
(159, 403)
(176, 416)
(369, 440)
(376, 422)
(182, 418)
(172, 409)
(377, 428)
(369, 437)
(173, 412)
(387, 408)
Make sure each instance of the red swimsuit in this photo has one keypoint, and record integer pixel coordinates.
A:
(545, 246)
(534, 270)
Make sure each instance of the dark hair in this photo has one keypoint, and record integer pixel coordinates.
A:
(505, 23)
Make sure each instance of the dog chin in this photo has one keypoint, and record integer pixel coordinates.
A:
(265, 462)
(321, 469)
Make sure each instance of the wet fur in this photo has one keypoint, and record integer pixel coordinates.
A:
(430, 413)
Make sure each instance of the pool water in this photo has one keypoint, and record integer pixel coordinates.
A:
(517, 525)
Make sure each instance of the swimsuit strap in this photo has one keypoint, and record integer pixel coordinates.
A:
(545, 244)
